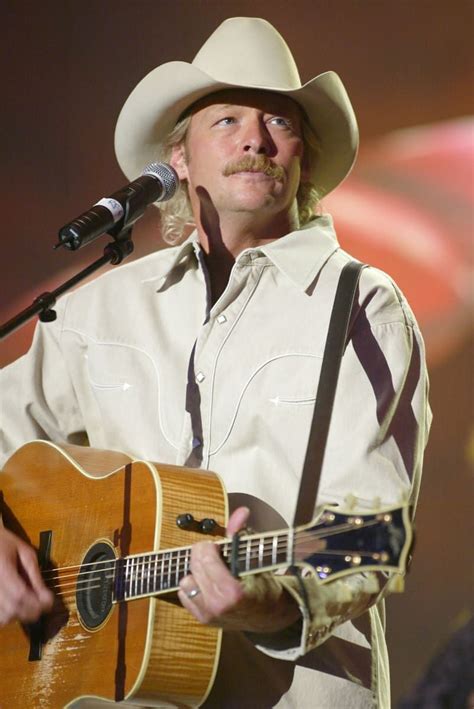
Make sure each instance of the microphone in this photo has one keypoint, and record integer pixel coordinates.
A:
(157, 183)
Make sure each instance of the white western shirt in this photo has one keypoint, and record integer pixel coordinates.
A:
(139, 361)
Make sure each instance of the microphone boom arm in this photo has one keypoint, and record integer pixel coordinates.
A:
(158, 182)
(43, 304)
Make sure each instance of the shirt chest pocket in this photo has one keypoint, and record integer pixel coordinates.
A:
(287, 380)
(125, 384)
(117, 368)
(279, 393)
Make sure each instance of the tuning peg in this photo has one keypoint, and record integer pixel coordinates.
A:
(185, 521)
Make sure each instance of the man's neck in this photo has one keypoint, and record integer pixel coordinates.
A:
(223, 240)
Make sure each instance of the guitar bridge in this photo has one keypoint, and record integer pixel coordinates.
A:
(35, 630)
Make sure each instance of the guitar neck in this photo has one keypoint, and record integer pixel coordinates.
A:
(160, 572)
(333, 545)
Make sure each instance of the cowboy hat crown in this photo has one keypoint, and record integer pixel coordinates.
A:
(264, 58)
(243, 52)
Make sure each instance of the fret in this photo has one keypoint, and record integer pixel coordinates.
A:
(176, 578)
(142, 574)
(133, 579)
(147, 575)
(164, 566)
(155, 577)
(148, 561)
(136, 578)
(126, 592)
(150, 573)
(118, 583)
(281, 543)
(162, 572)
(139, 576)
(166, 570)
(275, 549)
(170, 571)
(129, 577)
(248, 549)
(289, 551)
(187, 562)
(261, 547)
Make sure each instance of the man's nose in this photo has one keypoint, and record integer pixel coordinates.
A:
(257, 140)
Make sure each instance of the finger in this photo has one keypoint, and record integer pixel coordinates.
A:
(29, 608)
(219, 588)
(29, 563)
(17, 600)
(191, 604)
(238, 520)
(188, 584)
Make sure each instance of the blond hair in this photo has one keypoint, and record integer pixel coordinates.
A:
(176, 214)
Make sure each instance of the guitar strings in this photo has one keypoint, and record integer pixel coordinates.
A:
(174, 571)
(251, 552)
(255, 542)
(179, 567)
(144, 567)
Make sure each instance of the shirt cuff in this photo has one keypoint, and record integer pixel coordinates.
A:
(323, 607)
(287, 644)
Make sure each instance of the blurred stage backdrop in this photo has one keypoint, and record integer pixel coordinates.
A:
(407, 207)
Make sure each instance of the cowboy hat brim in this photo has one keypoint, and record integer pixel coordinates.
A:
(157, 102)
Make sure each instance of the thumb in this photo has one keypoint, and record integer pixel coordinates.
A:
(238, 520)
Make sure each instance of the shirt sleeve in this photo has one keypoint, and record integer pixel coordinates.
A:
(37, 396)
(374, 453)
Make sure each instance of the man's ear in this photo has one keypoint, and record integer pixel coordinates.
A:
(178, 161)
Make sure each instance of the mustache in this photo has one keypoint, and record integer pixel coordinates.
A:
(257, 163)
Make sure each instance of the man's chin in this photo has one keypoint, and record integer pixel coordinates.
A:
(253, 204)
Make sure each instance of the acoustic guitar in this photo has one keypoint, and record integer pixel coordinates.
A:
(114, 538)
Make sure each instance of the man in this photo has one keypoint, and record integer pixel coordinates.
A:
(208, 355)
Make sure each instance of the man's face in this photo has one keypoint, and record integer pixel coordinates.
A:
(243, 151)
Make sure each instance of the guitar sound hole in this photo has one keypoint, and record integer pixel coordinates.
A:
(95, 585)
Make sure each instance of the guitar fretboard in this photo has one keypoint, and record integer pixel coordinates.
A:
(333, 545)
(150, 574)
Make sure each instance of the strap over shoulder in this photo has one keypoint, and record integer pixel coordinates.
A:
(335, 345)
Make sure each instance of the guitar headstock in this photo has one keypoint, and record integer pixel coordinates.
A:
(336, 544)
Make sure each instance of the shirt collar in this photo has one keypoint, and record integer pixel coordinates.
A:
(300, 255)
(174, 256)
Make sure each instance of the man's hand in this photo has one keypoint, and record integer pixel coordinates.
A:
(256, 604)
(23, 595)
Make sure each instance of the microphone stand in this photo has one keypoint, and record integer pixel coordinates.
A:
(43, 305)
(114, 253)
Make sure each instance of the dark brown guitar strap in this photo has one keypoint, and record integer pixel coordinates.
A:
(335, 345)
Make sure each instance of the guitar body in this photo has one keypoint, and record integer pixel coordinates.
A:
(149, 651)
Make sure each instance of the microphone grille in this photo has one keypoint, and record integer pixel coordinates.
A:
(166, 175)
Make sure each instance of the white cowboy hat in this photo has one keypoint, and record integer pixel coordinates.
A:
(243, 52)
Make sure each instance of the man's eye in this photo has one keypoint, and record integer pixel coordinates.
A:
(281, 122)
(227, 121)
